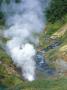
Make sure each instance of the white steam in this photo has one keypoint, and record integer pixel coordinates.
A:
(23, 57)
(24, 20)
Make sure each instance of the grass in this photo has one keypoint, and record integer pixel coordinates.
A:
(53, 54)
(53, 27)
(13, 82)
(50, 29)
(8, 74)
(4, 57)
(58, 84)
(45, 40)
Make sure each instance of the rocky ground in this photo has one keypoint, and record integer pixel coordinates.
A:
(55, 48)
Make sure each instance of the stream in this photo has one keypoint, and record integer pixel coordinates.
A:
(42, 66)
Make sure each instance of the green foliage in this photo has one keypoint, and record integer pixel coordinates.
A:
(17, 1)
(52, 54)
(2, 71)
(49, 30)
(11, 81)
(64, 38)
(58, 84)
(53, 27)
(57, 9)
(1, 15)
(2, 20)
(6, 78)
(4, 57)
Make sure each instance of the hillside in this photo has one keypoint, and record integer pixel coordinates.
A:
(56, 54)
(53, 40)
(57, 84)
(8, 73)
(56, 47)
(52, 43)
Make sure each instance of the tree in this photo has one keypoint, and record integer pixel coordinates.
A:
(56, 10)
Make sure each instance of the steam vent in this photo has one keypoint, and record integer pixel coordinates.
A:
(33, 44)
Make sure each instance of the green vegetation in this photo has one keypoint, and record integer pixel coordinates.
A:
(2, 20)
(8, 74)
(53, 27)
(4, 57)
(57, 9)
(56, 15)
(56, 20)
(55, 31)
(58, 84)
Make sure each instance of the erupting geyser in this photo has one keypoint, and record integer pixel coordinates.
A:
(24, 20)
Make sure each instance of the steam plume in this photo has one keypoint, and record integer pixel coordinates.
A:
(24, 20)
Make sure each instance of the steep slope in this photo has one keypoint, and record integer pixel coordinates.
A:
(8, 74)
(53, 42)
(55, 45)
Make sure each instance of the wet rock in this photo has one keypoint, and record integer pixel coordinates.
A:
(52, 46)
(42, 65)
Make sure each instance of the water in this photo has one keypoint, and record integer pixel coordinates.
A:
(42, 65)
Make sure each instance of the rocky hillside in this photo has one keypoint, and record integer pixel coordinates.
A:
(53, 43)
(55, 47)
(53, 40)
(8, 73)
